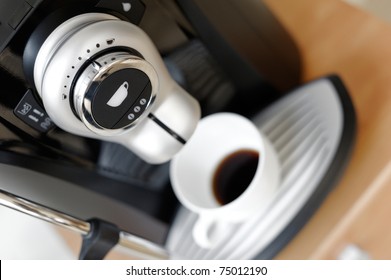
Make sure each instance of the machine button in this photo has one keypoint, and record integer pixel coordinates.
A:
(19, 14)
(5, 34)
(32, 114)
(136, 111)
(132, 9)
(116, 94)
(12, 13)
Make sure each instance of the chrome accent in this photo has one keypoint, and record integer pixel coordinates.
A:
(97, 71)
(41, 212)
(140, 247)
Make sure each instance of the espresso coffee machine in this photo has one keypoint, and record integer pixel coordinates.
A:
(98, 95)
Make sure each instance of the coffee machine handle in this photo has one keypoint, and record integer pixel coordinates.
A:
(172, 120)
(108, 81)
(168, 126)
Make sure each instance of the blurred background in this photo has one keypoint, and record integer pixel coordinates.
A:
(23, 237)
(380, 8)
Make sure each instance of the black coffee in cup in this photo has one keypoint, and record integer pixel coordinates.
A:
(234, 174)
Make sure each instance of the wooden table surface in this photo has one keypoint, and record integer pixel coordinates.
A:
(334, 37)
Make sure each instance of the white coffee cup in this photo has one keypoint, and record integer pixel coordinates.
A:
(192, 171)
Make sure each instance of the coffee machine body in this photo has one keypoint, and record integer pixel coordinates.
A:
(86, 97)
(58, 58)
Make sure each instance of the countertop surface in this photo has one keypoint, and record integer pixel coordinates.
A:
(335, 37)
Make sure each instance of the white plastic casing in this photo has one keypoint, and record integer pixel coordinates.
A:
(79, 39)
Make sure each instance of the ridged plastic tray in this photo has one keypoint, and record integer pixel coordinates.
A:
(312, 129)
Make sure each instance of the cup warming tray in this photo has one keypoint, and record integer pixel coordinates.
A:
(312, 129)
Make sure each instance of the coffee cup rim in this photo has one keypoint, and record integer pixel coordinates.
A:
(185, 199)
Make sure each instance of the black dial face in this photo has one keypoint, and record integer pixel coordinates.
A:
(121, 98)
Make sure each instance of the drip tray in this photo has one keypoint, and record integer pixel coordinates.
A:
(312, 130)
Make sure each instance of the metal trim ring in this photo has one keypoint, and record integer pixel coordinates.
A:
(95, 74)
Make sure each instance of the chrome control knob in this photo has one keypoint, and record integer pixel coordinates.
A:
(114, 92)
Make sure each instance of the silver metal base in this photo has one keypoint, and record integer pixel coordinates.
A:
(306, 128)
(139, 247)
